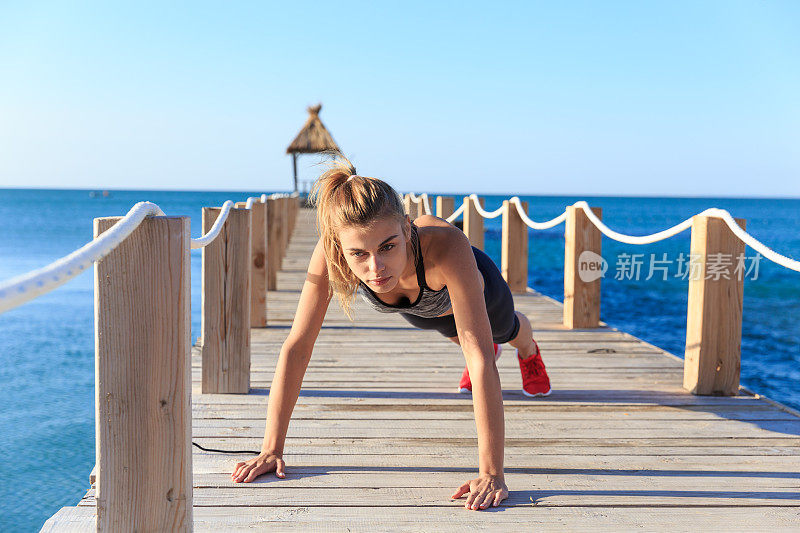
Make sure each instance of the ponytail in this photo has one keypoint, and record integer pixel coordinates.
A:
(343, 198)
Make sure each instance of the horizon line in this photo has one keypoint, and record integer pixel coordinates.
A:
(543, 195)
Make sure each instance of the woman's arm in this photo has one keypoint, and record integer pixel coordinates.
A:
(296, 352)
(463, 281)
(293, 360)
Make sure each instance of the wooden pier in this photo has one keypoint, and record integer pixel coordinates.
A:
(379, 438)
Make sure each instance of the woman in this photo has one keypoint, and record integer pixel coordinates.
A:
(429, 273)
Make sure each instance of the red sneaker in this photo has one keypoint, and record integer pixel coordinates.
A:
(534, 376)
(465, 385)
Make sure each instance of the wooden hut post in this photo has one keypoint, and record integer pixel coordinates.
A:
(445, 206)
(583, 269)
(294, 168)
(226, 304)
(143, 378)
(514, 248)
(714, 316)
(473, 222)
(273, 243)
(258, 263)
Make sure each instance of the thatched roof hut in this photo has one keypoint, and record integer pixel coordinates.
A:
(313, 138)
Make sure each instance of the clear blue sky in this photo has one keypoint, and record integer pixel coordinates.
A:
(618, 98)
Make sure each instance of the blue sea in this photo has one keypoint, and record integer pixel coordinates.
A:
(47, 433)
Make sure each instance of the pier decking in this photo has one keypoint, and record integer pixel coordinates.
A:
(379, 438)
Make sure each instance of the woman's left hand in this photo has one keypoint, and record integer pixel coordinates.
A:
(484, 491)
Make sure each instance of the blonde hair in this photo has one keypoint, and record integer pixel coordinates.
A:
(343, 198)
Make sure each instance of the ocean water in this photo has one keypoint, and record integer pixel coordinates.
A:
(47, 345)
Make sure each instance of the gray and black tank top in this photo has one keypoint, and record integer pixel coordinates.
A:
(429, 303)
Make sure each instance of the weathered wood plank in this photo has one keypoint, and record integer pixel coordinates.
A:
(457, 519)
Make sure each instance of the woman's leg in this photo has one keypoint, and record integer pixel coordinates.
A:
(524, 339)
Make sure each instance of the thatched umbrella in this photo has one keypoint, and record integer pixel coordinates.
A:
(312, 139)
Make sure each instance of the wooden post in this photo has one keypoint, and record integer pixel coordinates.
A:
(473, 222)
(281, 230)
(445, 206)
(258, 263)
(273, 243)
(292, 215)
(295, 210)
(284, 227)
(514, 248)
(226, 304)
(714, 316)
(407, 203)
(421, 206)
(143, 378)
(583, 269)
(294, 168)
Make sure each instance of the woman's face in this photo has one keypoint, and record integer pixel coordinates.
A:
(376, 254)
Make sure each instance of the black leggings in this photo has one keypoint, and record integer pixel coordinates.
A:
(499, 306)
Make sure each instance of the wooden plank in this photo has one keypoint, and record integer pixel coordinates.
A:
(457, 519)
(274, 493)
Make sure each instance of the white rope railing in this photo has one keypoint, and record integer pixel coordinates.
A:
(737, 230)
(485, 214)
(643, 239)
(755, 244)
(748, 239)
(209, 237)
(536, 225)
(456, 213)
(426, 206)
(26, 287)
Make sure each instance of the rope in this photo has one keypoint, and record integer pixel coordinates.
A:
(456, 213)
(737, 230)
(20, 289)
(485, 214)
(748, 239)
(755, 244)
(26, 287)
(630, 239)
(426, 206)
(23, 288)
(209, 237)
(537, 225)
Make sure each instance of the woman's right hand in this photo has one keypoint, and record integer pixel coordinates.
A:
(265, 462)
